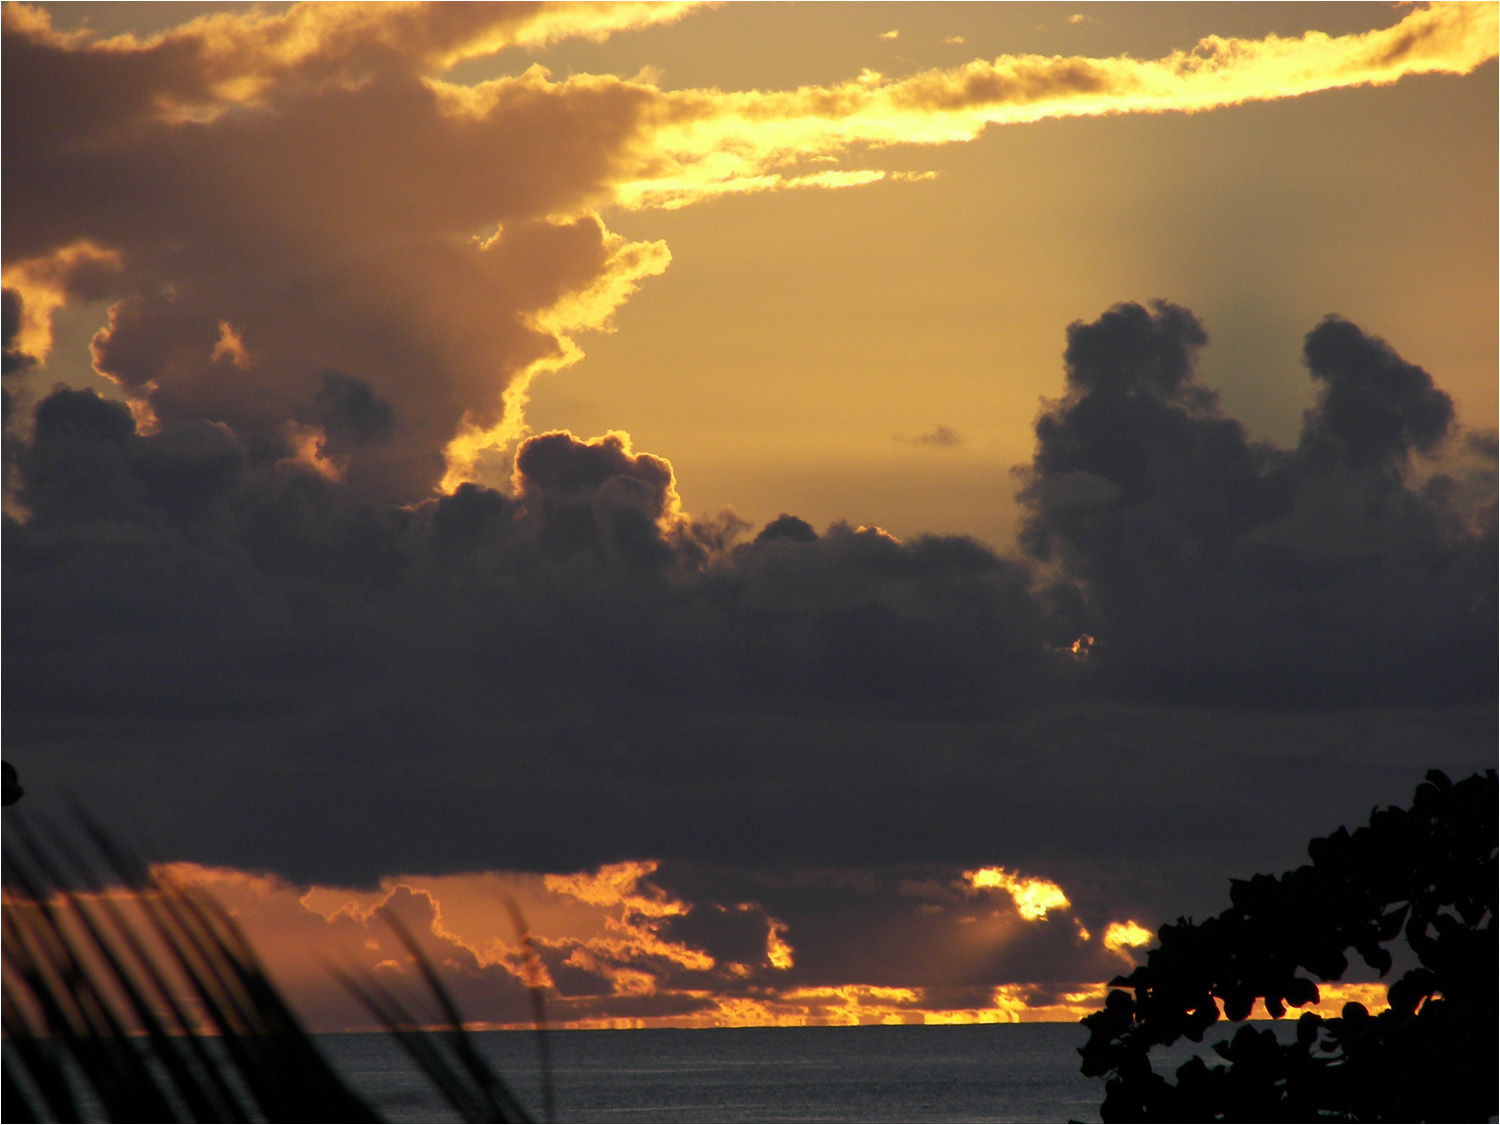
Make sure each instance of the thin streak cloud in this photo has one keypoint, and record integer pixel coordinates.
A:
(711, 137)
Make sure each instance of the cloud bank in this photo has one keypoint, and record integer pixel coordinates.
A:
(673, 687)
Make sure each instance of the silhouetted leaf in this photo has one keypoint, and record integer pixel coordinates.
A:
(1429, 874)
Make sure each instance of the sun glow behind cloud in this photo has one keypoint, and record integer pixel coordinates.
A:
(600, 957)
(607, 957)
(1121, 937)
(1034, 898)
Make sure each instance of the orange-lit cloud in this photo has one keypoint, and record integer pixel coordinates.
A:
(44, 284)
(235, 57)
(605, 954)
(231, 347)
(309, 449)
(629, 936)
(778, 952)
(442, 304)
(1121, 937)
(589, 308)
(603, 961)
(1034, 898)
(704, 141)
(1332, 996)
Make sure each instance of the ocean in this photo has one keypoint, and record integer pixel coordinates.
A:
(992, 1072)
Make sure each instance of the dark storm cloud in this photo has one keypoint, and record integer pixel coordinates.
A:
(587, 584)
(596, 496)
(328, 661)
(203, 637)
(1209, 566)
(1375, 409)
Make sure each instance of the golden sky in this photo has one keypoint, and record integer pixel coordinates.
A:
(714, 265)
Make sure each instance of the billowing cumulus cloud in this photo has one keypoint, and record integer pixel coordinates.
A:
(1208, 565)
(588, 583)
(597, 496)
(1374, 409)
(199, 639)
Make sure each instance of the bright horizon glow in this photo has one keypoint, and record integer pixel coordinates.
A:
(607, 912)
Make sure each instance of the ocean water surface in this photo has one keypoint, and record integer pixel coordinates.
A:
(994, 1072)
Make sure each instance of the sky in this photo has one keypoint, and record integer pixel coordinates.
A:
(841, 513)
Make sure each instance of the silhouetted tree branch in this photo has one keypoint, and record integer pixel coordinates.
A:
(1427, 875)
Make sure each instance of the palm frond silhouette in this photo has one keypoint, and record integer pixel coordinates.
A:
(145, 1001)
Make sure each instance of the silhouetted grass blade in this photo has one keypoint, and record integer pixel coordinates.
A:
(171, 1016)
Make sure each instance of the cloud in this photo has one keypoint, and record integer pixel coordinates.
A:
(642, 944)
(790, 618)
(1375, 409)
(198, 638)
(210, 62)
(1034, 898)
(708, 142)
(939, 437)
(620, 945)
(1211, 566)
(597, 496)
(1126, 935)
(224, 209)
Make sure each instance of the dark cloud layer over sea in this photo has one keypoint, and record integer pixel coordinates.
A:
(242, 661)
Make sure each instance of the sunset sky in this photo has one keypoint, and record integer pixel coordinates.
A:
(841, 512)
